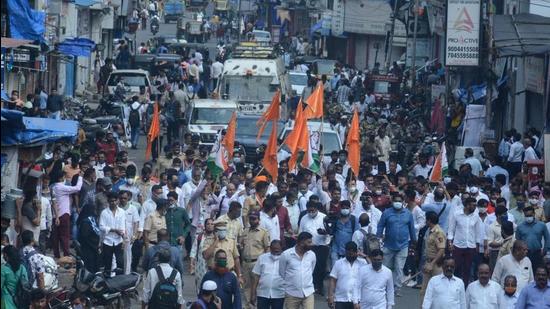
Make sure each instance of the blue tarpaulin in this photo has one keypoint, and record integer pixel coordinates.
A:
(26, 23)
(20, 130)
(76, 47)
(86, 2)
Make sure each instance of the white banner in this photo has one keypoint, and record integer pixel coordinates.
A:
(463, 31)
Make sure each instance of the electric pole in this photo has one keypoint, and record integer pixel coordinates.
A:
(413, 65)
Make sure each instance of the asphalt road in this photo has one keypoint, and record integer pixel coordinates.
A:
(409, 299)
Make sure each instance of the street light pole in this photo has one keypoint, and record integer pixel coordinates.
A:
(390, 40)
(413, 67)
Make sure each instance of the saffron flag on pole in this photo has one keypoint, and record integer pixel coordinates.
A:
(229, 138)
(353, 145)
(314, 102)
(270, 157)
(222, 149)
(293, 138)
(271, 114)
(441, 166)
(154, 131)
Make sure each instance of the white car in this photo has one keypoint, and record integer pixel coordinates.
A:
(131, 79)
(207, 117)
(261, 36)
(298, 82)
(330, 140)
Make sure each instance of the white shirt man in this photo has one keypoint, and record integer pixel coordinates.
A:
(480, 296)
(474, 164)
(443, 292)
(347, 278)
(270, 284)
(508, 265)
(506, 301)
(132, 227)
(152, 279)
(423, 171)
(311, 225)
(217, 69)
(303, 198)
(297, 273)
(186, 191)
(516, 152)
(375, 288)
(270, 224)
(179, 192)
(530, 154)
(465, 230)
(109, 221)
(374, 215)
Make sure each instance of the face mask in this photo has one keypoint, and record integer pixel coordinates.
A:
(221, 263)
(397, 205)
(343, 158)
(222, 234)
(92, 163)
(482, 210)
(533, 201)
(130, 181)
(378, 192)
(236, 160)
(352, 189)
(312, 215)
(275, 257)
(529, 219)
(510, 290)
(376, 265)
(344, 212)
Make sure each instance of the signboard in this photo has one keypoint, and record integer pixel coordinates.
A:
(370, 17)
(534, 74)
(463, 31)
(422, 51)
(338, 18)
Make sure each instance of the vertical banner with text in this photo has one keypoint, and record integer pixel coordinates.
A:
(463, 32)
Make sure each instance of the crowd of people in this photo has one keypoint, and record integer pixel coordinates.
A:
(476, 238)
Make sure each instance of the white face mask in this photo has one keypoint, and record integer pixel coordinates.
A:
(222, 234)
(130, 181)
(529, 219)
(533, 201)
(378, 192)
(352, 189)
(345, 212)
(397, 205)
(482, 210)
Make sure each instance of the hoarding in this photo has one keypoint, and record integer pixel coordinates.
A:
(463, 32)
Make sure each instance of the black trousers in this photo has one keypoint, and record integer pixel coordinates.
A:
(319, 273)
(342, 305)
(90, 257)
(137, 252)
(107, 253)
(536, 259)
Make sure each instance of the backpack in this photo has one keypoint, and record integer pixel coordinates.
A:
(134, 117)
(165, 293)
(21, 296)
(370, 242)
(26, 262)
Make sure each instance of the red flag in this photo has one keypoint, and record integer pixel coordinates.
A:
(154, 130)
(271, 114)
(352, 144)
(270, 157)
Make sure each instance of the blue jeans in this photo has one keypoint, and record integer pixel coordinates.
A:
(395, 260)
(269, 303)
(134, 136)
(74, 227)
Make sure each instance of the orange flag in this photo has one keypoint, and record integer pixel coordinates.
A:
(229, 138)
(315, 101)
(270, 157)
(352, 144)
(272, 113)
(298, 139)
(154, 130)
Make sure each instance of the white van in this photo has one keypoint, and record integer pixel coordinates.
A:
(206, 117)
(330, 140)
(132, 80)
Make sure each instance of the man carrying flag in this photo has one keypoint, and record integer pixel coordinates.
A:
(441, 166)
(223, 149)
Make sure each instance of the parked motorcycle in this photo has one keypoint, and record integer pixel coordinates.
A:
(100, 291)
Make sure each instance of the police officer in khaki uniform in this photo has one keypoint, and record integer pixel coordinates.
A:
(255, 242)
(221, 241)
(434, 250)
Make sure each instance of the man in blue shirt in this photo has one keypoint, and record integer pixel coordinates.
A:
(535, 294)
(228, 285)
(532, 232)
(342, 231)
(440, 206)
(397, 224)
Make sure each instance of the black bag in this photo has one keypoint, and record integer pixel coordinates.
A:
(21, 298)
(165, 293)
(370, 242)
(134, 118)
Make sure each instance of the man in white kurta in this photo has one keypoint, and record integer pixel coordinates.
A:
(483, 293)
(375, 287)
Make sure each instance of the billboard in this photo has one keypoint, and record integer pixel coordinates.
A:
(463, 32)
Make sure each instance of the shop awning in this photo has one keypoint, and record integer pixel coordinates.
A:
(20, 130)
(521, 35)
(14, 43)
(76, 47)
(86, 2)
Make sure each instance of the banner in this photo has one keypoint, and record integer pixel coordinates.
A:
(463, 33)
